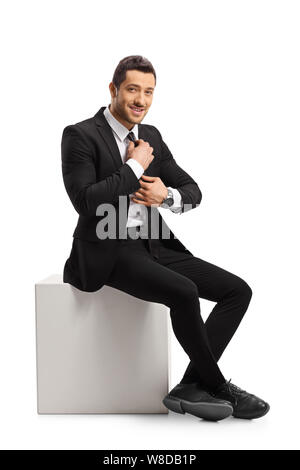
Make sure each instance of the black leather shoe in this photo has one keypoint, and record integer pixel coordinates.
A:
(245, 405)
(193, 399)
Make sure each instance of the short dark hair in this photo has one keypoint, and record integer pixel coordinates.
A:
(131, 62)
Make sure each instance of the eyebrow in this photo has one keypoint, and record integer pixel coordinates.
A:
(134, 84)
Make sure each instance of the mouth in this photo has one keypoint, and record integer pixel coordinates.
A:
(136, 111)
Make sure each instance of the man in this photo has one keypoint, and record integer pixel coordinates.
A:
(113, 156)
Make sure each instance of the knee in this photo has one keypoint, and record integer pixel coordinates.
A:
(243, 290)
(187, 292)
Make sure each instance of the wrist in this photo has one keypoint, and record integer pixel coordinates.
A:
(165, 195)
(168, 201)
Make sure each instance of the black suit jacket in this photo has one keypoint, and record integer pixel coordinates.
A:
(93, 173)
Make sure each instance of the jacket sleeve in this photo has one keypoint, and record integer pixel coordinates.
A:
(79, 175)
(174, 176)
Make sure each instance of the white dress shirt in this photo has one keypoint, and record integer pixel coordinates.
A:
(137, 213)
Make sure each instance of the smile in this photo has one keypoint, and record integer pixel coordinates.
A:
(136, 111)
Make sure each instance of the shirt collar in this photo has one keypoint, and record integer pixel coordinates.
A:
(119, 128)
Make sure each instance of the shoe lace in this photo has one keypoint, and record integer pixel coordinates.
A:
(234, 390)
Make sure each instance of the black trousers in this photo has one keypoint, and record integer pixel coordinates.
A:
(177, 280)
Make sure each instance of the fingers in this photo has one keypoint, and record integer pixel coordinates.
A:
(138, 195)
(138, 201)
(140, 192)
(146, 185)
(150, 178)
(146, 144)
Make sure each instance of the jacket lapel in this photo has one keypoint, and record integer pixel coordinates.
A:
(108, 136)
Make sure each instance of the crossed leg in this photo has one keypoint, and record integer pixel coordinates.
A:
(230, 292)
(177, 280)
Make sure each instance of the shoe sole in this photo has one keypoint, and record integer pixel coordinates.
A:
(205, 410)
(260, 415)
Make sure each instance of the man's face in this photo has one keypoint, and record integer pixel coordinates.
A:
(136, 92)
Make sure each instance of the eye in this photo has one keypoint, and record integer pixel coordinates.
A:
(149, 91)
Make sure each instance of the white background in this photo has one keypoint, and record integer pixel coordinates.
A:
(227, 104)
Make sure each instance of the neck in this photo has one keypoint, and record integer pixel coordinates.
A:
(116, 116)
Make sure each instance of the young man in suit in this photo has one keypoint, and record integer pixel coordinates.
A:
(113, 156)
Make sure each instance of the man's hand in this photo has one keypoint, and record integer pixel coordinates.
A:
(152, 191)
(141, 153)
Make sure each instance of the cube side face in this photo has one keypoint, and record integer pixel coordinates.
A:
(102, 352)
(37, 309)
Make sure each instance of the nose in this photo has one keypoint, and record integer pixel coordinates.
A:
(139, 101)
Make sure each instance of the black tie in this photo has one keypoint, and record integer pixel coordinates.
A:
(153, 244)
(130, 136)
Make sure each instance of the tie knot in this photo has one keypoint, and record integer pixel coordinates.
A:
(131, 137)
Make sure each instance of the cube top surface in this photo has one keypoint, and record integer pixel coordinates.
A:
(53, 279)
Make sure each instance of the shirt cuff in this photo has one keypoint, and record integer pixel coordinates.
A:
(136, 167)
(177, 205)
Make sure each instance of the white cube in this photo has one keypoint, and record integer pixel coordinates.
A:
(99, 352)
